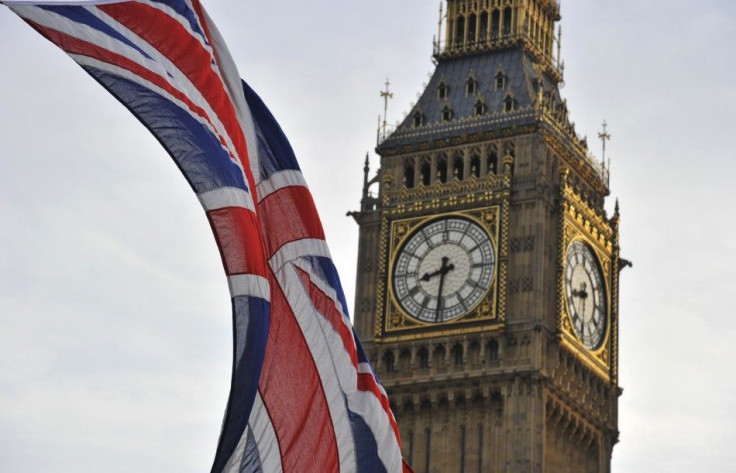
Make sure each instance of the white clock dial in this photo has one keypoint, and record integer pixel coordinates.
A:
(444, 269)
(585, 295)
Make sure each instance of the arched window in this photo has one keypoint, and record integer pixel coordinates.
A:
(443, 90)
(438, 357)
(471, 86)
(404, 360)
(458, 166)
(427, 449)
(507, 21)
(483, 33)
(509, 104)
(474, 352)
(460, 31)
(479, 108)
(492, 351)
(471, 29)
(417, 119)
(495, 23)
(500, 81)
(389, 362)
(426, 171)
(423, 355)
(457, 354)
(475, 165)
(462, 449)
(492, 161)
(446, 114)
(442, 169)
(496, 404)
(409, 175)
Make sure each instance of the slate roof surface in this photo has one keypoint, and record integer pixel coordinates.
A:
(521, 79)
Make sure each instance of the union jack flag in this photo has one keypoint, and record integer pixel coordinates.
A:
(303, 396)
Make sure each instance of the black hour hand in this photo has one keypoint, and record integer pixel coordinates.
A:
(444, 269)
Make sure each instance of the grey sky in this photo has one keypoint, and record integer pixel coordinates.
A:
(115, 338)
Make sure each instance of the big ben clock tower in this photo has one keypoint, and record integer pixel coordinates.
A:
(487, 285)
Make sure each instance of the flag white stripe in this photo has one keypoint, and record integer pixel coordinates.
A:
(366, 405)
(226, 197)
(233, 463)
(323, 349)
(325, 287)
(234, 88)
(160, 65)
(297, 249)
(184, 22)
(249, 285)
(163, 67)
(260, 426)
(365, 368)
(363, 403)
(124, 73)
(265, 437)
(279, 180)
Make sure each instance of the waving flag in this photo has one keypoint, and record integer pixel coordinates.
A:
(303, 396)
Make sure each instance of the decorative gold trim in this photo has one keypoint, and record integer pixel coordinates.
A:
(444, 331)
(393, 323)
(604, 266)
(579, 222)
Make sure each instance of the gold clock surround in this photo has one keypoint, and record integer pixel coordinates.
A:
(580, 222)
(397, 324)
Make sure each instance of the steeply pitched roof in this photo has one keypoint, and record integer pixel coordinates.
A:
(520, 85)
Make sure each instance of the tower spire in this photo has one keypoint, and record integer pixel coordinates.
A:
(439, 30)
(604, 136)
(386, 95)
(559, 45)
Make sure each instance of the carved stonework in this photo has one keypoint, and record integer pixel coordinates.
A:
(508, 384)
(397, 324)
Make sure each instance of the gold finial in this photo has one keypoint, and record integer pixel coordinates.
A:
(508, 161)
(386, 94)
(540, 95)
(559, 45)
(439, 30)
(604, 136)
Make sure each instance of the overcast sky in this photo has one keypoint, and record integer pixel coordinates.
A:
(115, 335)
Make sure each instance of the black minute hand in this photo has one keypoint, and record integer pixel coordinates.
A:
(444, 269)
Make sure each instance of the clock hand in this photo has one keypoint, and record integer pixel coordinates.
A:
(440, 272)
(444, 269)
(583, 313)
(427, 276)
(581, 294)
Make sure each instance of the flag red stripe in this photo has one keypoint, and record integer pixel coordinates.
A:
(367, 382)
(325, 305)
(288, 215)
(72, 45)
(292, 392)
(238, 238)
(188, 54)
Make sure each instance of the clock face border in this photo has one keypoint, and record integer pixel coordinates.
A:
(465, 274)
(395, 323)
(600, 359)
(588, 251)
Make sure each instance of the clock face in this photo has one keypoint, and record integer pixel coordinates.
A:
(585, 295)
(443, 270)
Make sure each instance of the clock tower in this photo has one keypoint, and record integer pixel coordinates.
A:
(487, 285)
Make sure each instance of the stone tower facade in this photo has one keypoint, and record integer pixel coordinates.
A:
(487, 285)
